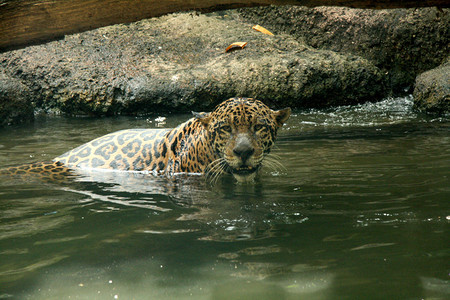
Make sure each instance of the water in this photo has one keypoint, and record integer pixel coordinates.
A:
(360, 211)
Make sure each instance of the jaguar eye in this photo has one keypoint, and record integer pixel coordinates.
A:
(226, 128)
(258, 127)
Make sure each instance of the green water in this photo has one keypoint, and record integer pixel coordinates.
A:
(360, 211)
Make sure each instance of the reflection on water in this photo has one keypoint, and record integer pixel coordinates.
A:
(360, 211)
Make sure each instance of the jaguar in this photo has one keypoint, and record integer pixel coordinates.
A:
(235, 138)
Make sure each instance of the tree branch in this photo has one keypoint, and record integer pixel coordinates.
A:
(25, 22)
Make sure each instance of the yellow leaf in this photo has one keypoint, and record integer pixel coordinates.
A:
(237, 45)
(262, 29)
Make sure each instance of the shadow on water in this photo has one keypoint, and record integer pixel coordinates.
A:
(360, 211)
(87, 229)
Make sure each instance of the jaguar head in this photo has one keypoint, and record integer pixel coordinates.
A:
(242, 132)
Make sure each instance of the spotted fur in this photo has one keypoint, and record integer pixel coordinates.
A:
(234, 138)
(51, 171)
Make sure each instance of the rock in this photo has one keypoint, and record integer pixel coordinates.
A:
(402, 43)
(432, 90)
(178, 62)
(15, 103)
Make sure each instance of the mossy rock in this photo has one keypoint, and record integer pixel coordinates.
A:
(15, 103)
(432, 90)
(178, 63)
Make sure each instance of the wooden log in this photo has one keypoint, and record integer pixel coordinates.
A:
(26, 22)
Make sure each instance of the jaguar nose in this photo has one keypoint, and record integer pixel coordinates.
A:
(244, 154)
(243, 148)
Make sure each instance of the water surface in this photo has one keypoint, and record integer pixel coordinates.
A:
(359, 211)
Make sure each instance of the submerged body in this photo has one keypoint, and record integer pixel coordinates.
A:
(234, 138)
(156, 150)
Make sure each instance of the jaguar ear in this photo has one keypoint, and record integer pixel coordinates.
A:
(282, 115)
(203, 117)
